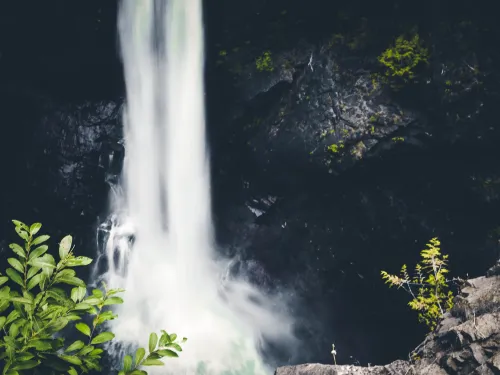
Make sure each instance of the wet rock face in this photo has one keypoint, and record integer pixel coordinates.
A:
(61, 159)
(467, 341)
(333, 178)
(318, 109)
(80, 145)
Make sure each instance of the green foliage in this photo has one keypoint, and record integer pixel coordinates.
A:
(336, 148)
(36, 305)
(398, 139)
(374, 118)
(403, 57)
(265, 62)
(167, 345)
(433, 297)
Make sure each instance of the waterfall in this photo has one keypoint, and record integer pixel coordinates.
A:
(160, 243)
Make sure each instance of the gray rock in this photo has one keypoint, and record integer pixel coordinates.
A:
(77, 142)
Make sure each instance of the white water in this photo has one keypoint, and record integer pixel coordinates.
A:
(171, 276)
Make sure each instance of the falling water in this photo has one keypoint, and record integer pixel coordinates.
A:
(171, 274)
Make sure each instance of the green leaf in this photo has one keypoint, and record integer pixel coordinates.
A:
(40, 345)
(57, 294)
(65, 246)
(16, 264)
(34, 281)
(78, 261)
(138, 372)
(3, 279)
(81, 306)
(46, 261)
(77, 345)
(2, 321)
(18, 250)
(167, 353)
(172, 337)
(72, 371)
(18, 223)
(139, 356)
(44, 281)
(32, 271)
(35, 228)
(21, 300)
(113, 301)
(13, 330)
(86, 350)
(38, 252)
(71, 359)
(14, 276)
(58, 325)
(12, 372)
(97, 293)
(105, 316)
(93, 300)
(96, 352)
(24, 356)
(4, 305)
(175, 346)
(40, 240)
(115, 291)
(127, 363)
(163, 338)
(26, 365)
(153, 341)
(4, 292)
(152, 362)
(83, 328)
(103, 337)
(70, 280)
(22, 233)
(78, 293)
(72, 317)
(66, 272)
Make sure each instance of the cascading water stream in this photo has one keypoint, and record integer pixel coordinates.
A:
(172, 277)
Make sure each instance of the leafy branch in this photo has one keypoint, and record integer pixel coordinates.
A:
(166, 346)
(432, 297)
(38, 307)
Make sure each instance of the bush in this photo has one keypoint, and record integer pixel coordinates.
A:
(400, 62)
(38, 306)
(265, 62)
(433, 297)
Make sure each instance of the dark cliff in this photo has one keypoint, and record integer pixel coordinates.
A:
(321, 176)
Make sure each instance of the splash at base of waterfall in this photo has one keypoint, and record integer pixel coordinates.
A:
(159, 238)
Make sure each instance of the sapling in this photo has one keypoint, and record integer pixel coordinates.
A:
(432, 297)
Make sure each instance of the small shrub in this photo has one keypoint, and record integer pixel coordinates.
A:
(403, 57)
(432, 297)
(265, 62)
(400, 61)
(336, 148)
